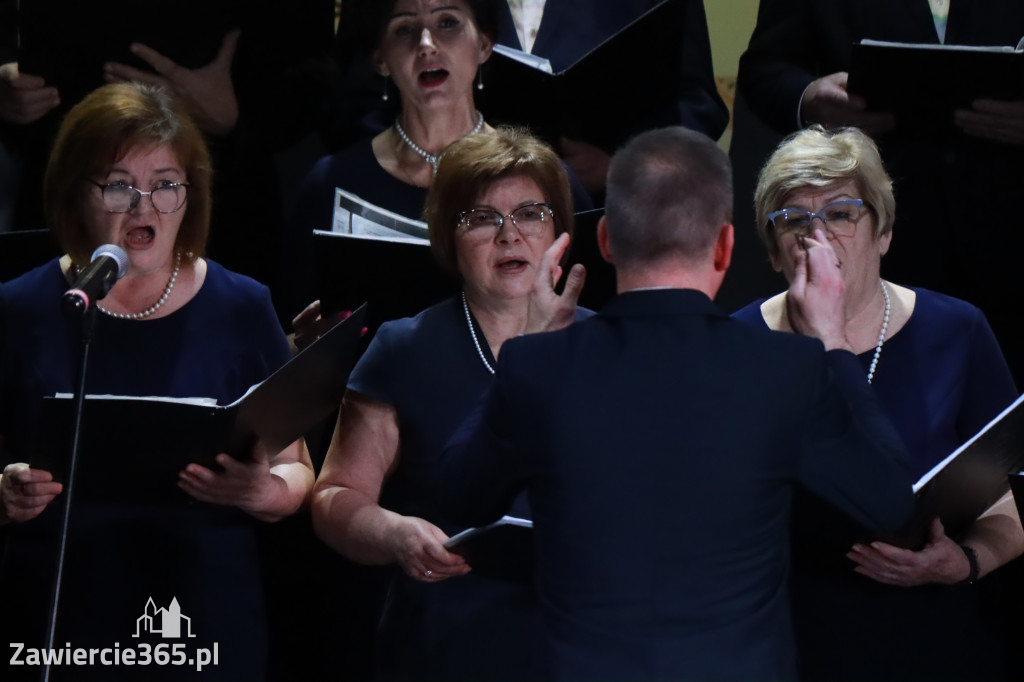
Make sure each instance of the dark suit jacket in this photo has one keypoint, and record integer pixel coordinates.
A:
(660, 442)
(569, 29)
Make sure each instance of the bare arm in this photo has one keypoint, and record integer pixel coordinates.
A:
(346, 510)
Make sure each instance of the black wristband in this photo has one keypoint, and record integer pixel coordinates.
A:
(972, 561)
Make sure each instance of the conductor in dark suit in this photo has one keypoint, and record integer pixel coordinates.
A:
(660, 442)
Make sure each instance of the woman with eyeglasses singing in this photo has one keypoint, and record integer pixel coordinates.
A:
(428, 55)
(130, 169)
(870, 610)
(500, 215)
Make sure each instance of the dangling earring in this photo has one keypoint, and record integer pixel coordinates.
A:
(479, 78)
(384, 96)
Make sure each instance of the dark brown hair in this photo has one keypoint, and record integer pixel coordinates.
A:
(104, 127)
(470, 165)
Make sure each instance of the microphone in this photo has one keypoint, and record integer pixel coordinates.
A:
(109, 263)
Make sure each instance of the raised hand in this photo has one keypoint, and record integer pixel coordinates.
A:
(25, 492)
(994, 120)
(827, 101)
(24, 98)
(547, 310)
(816, 300)
(207, 92)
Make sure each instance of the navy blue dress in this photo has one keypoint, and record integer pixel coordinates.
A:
(470, 627)
(941, 379)
(121, 554)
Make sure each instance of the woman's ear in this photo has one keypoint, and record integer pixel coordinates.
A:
(603, 244)
(884, 242)
(379, 64)
(486, 48)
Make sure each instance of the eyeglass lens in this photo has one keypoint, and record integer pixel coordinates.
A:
(529, 218)
(839, 218)
(121, 198)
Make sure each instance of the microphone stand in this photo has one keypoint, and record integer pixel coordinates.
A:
(88, 331)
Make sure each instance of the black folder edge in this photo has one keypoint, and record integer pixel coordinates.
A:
(398, 277)
(307, 388)
(878, 68)
(970, 480)
(503, 549)
(549, 122)
(1016, 481)
(278, 410)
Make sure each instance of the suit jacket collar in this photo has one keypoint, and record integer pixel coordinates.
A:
(645, 302)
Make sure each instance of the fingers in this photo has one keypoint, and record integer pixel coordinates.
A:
(26, 492)
(308, 316)
(420, 551)
(574, 283)
(549, 269)
(24, 98)
(936, 531)
(115, 72)
(821, 262)
(886, 553)
(228, 46)
(998, 108)
(553, 257)
(799, 283)
(161, 64)
(440, 564)
(993, 120)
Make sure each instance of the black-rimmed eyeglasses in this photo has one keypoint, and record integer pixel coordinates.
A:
(838, 218)
(120, 197)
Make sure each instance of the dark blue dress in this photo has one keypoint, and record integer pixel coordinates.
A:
(470, 627)
(123, 553)
(941, 378)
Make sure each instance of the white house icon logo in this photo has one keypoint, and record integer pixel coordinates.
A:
(166, 622)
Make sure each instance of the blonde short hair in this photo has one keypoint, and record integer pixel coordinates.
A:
(816, 157)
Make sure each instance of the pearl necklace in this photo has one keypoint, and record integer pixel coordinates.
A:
(433, 159)
(156, 306)
(472, 332)
(881, 332)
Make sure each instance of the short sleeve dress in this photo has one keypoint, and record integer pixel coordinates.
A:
(466, 628)
(941, 379)
(122, 554)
